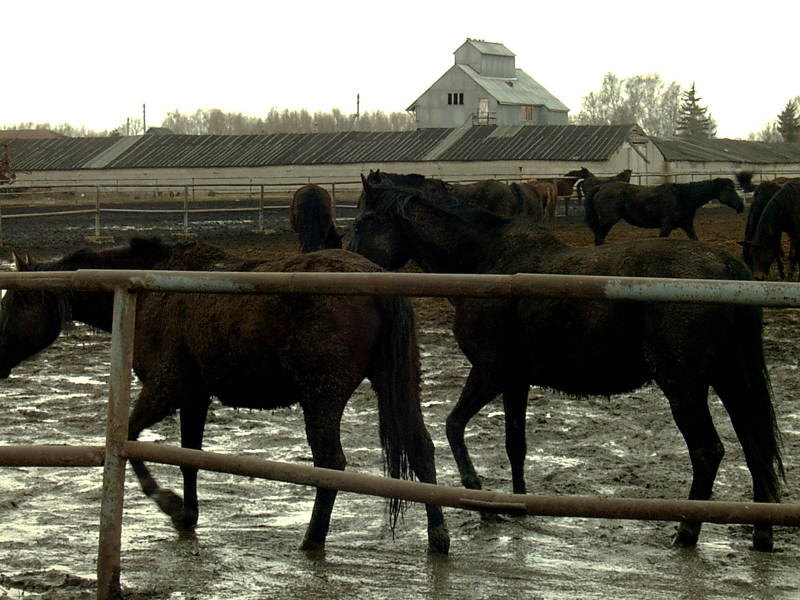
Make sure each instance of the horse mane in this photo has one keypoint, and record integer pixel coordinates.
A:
(394, 200)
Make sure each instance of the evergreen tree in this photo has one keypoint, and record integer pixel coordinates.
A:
(693, 120)
(789, 123)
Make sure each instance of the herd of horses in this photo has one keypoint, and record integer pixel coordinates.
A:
(268, 351)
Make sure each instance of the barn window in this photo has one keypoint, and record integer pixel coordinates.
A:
(455, 98)
(528, 113)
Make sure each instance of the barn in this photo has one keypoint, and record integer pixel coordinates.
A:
(485, 87)
(463, 153)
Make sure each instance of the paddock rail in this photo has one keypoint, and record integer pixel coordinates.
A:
(126, 285)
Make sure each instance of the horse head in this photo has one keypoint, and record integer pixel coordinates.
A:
(375, 233)
(581, 173)
(30, 320)
(726, 194)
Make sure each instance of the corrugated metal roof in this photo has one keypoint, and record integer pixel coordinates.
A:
(56, 154)
(539, 142)
(725, 150)
(493, 48)
(523, 89)
(480, 143)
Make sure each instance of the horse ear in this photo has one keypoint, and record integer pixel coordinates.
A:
(21, 263)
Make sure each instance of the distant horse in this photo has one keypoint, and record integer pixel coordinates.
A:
(666, 207)
(762, 193)
(250, 351)
(781, 214)
(548, 192)
(311, 215)
(588, 180)
(585, 347)
(516, 199)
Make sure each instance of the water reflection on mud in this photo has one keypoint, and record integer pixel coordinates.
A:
(249, 532)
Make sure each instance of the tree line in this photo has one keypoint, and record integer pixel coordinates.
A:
(661, 109)
(217, 122)
(664, 110)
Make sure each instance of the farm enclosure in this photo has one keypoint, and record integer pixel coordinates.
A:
(249, 531)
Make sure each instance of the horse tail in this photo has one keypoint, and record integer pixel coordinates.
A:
(590, 215)
(311, 236)
(752, 411)
(520, 207)
(745, 180)
(395, 376)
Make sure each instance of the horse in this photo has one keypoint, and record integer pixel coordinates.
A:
(311, 215)
(667, 206)
(762, 193)
(251, 351)
(588, 180)
(548, 192)
(781, 214)
(515, 199)
(587, 347)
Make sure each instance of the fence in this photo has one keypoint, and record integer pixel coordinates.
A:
(126, 285)
(197, 197)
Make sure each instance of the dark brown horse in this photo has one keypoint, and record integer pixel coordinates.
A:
(585, 347)
(664, 207)
(252, 351)
(780, 215)
(762, 193)
(311, 215)
(588, 180)
(548, 192)
(513, 200)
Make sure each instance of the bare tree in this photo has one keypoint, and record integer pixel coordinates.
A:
(645, 100)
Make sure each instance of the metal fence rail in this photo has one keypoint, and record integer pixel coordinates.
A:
(127, 284)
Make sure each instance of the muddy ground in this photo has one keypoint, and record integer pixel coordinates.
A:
(249, 530)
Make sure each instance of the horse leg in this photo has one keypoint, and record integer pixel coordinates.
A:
(151, 407)
(193, 422)
(477, 393)
(515, 403)
(755, 428)
(323, 435)
(688, 228)
(689, 406)
(601, 231)
(420, 452)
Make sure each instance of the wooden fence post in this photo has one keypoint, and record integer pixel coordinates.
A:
(122, 335)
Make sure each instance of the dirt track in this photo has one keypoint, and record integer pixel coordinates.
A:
(623, 446)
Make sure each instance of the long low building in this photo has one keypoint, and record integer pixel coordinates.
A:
(464, 153)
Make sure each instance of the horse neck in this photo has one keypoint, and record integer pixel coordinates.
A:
(441, 241)
(698, 193)
(768, 230)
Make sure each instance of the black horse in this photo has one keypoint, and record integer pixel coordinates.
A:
(253, 351)
(588, 180)
(666, 207)
(619, 346)
(762, 193)
(781, 214)
(512, 200)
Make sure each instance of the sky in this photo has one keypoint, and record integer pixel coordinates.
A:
(96, 63)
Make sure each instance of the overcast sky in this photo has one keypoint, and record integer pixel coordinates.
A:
(95, 63)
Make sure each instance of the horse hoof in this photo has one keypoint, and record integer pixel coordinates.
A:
(313, 550)
(438, 540)
(762, 541)
(686, 536)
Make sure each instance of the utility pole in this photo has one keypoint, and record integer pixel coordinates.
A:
(144, 118)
